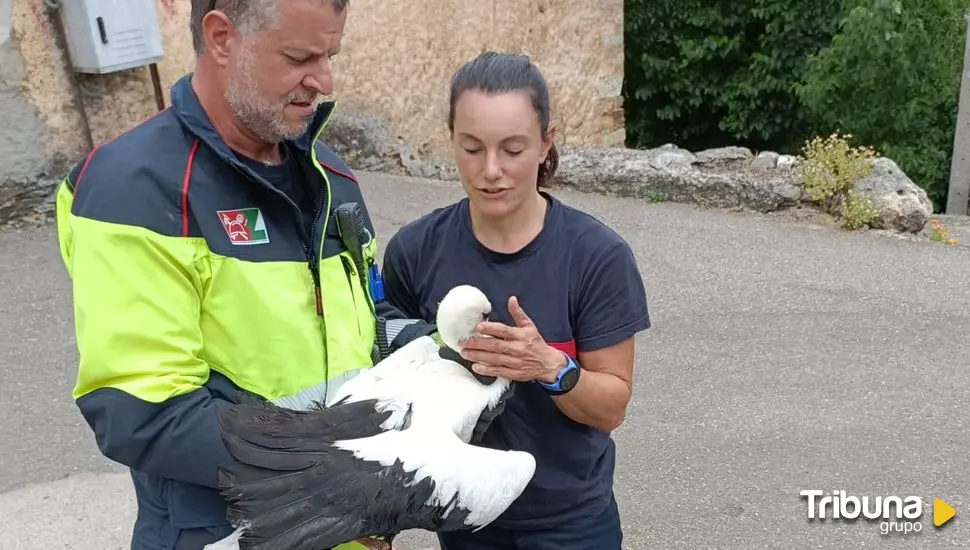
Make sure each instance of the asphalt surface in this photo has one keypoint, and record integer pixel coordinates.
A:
(784, 356)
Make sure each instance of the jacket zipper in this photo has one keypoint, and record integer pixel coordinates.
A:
(307, 240)
(312, 259)
(314, 255)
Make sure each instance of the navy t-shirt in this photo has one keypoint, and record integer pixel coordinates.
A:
(579, 282)
(287, 178)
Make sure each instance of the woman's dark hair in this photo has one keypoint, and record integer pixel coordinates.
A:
(493, 72)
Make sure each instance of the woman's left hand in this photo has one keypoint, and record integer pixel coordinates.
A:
(515, 353)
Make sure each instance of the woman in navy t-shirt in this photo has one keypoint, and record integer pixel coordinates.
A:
(567, 285)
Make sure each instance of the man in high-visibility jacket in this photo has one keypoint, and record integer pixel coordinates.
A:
(207, 259)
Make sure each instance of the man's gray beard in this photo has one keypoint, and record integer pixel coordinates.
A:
(262, 118)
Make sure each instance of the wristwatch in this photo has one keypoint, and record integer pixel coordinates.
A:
(565, 380)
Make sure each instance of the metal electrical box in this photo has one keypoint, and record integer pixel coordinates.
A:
(104, 36)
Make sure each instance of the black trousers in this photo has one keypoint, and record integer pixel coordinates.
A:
(598, 533)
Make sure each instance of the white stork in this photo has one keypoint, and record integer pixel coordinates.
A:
(390, 452)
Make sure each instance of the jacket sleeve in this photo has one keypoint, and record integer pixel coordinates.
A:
(397, 322)
(140, 380)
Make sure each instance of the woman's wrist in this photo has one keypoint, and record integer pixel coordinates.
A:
(555, 362)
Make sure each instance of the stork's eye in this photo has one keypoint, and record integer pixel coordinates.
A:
(484, 316)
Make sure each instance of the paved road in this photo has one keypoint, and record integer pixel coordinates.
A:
(784, 357)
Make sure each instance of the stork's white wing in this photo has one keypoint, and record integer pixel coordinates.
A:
(399, 365)
(416, 384)
(473, 484)
(385, 380)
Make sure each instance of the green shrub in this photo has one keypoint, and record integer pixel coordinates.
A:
(707, 73)
(828, 168)
(891, 78)
(770, 74)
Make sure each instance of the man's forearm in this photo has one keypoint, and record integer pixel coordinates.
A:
(598, 400)
(178, 439)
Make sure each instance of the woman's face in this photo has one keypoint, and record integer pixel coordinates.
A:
(498, 147)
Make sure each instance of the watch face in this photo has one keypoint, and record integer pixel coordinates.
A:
(569, 380)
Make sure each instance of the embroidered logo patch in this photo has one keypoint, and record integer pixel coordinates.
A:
(244, 226)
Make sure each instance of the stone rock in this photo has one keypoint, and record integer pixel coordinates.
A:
(766, 160)
(717, 178)
(786, 163)
(25, 197)
(725, 158)
(366, 143)
(732, 177)
(902, 205)
(671, 156)
(28, 197)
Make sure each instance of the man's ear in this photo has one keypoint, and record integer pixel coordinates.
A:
(219, 34)
(548, 140)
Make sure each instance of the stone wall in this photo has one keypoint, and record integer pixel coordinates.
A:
(403, 77)
(394, 69)
(56, 122)
(734, 177)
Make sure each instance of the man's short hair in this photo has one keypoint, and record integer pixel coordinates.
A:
(249, 15)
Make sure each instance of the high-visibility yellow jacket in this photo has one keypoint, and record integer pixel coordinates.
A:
(194, 279)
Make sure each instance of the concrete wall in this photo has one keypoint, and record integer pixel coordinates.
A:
(388, 70)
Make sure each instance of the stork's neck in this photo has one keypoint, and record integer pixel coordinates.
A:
(452, 336)
(452, 355)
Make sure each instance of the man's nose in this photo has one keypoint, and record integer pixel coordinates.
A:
(320, 79)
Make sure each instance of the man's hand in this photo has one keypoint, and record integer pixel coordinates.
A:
(516, 353)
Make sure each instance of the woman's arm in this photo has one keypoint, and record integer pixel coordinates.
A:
(605, 384)
(604, 388)
(611, 309)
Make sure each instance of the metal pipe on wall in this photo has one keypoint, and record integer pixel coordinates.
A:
(61, 42)
(157, 85)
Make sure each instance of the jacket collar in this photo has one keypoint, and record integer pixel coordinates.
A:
(187, 107)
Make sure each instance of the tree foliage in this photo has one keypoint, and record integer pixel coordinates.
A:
(705, 73)
(773, 74)
(891, 78)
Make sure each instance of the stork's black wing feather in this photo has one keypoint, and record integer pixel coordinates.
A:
(338, 500)
(315, 494)
(283, 439)
(282, 457)
(488, 415)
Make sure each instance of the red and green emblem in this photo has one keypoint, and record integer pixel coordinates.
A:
(244, 226)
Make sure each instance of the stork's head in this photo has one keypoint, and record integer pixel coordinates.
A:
(459, 312)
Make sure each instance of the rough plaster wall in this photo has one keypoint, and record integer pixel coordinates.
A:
(22, 131)
(126, 97)
(390, 68)
(36, 87)
(45, 84)
(173, 17)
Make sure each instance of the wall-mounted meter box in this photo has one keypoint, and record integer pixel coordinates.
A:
(104, 36)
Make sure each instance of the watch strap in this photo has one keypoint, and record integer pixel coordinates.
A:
(556, 387)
